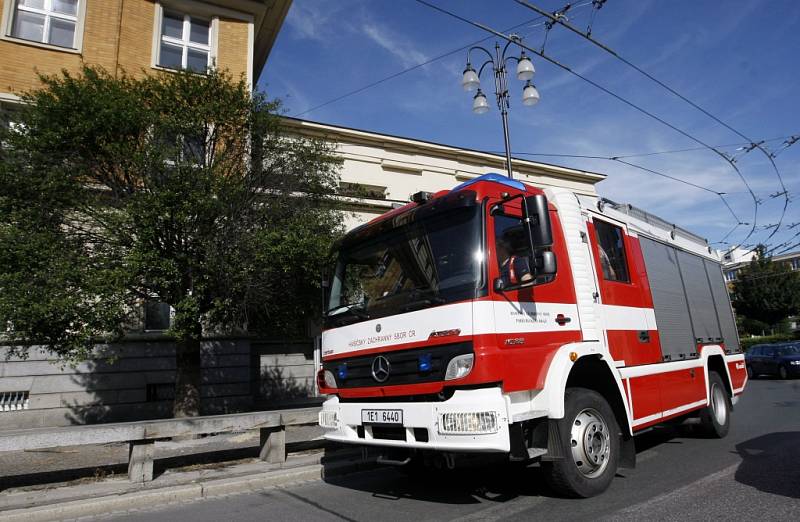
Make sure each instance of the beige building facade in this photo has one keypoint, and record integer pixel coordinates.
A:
(383, 171)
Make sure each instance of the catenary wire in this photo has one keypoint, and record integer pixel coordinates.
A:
(753, 144)
(614, 95)
(421, 64)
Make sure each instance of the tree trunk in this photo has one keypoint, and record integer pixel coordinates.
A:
(187, 378)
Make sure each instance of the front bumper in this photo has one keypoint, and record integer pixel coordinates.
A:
(342, 421)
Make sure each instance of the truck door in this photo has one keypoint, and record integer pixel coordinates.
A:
(627, 310)
(536, 316)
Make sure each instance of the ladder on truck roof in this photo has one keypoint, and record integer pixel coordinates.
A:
(653, 220)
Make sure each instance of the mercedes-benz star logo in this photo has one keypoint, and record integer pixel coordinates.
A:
(380, 368)
(378, 327)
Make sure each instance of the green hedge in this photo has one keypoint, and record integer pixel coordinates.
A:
(748, 342)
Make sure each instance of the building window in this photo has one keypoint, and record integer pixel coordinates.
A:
(730, 275)
(52, 22)
(611, 249)
(795, 263)
(157, 316)
(185, 42)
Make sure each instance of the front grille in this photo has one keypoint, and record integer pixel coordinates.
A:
(404, 366)
(388, 433)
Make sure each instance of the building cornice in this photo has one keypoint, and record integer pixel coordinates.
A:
(267, 18)
(337, 133)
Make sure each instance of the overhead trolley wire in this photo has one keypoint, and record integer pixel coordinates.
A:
(753, 145)
(618, 159)
(423, 64)
(654, 153)
(612, 94)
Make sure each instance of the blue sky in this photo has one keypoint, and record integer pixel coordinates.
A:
(737, 59)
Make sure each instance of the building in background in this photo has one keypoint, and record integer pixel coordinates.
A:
(137, 36)
(46, 36)
(734, 260)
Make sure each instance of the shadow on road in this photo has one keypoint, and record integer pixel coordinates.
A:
(479, 480)
(770, 463)
(469, 483)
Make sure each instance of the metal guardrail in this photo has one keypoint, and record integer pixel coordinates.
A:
(141, 436)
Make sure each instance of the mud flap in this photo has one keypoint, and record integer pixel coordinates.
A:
(627, 453)
(554, 451)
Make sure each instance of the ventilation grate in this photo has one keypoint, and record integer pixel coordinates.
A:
(13, 401)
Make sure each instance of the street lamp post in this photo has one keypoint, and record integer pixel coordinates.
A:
(470, 81)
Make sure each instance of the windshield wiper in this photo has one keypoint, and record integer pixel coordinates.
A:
(422, 303)
(354, 309)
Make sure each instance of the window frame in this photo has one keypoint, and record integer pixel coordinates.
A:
(625, 251)
(184, 43)
(10, 9)
(511, 213)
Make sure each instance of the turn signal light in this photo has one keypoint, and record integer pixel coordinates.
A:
(325, 379)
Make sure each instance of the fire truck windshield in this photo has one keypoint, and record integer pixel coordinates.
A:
(412, 262)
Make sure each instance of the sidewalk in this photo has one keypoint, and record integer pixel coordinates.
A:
(87, 497)
(82, 481)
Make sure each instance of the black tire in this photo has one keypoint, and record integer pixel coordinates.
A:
(782, 373)
(715, 419)
(750, 373)
(588, 417)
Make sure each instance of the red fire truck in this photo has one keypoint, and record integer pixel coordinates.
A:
(539, 324)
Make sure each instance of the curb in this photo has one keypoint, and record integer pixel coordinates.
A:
(107, 504)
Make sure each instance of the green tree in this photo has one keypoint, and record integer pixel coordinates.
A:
(180, 188)
(766, 291)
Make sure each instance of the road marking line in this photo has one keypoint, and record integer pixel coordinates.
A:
(504, 510)
(664, 497)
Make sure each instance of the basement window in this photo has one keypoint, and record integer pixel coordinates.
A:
(184, 42)
(361, 190)
(13, 401)
(52, 22)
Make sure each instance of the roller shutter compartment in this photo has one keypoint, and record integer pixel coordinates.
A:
(669, 300)
(698, 295)
(722, 303)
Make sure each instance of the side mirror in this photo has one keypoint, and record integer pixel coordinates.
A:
(545, 263)
(537, 217)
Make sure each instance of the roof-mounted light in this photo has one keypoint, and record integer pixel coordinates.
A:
(421, 197)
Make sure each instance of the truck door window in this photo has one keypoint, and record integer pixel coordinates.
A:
(611, 248)
(513, 251)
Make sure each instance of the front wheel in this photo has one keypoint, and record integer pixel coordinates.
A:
(750, 373)
(782, 373)
(590, 445)
(715, 419)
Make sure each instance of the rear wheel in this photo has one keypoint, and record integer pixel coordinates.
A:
(715, 419)
(590, 445)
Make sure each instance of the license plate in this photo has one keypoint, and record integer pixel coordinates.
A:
(382, 416)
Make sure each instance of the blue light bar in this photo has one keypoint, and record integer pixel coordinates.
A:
(496, 178)
(425, 362)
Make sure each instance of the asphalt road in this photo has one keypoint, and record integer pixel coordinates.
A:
(752, 474)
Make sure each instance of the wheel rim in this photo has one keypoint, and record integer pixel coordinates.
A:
(591, 442)
(719, 406)
(782, 371)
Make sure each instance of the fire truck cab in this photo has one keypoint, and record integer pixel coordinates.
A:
(541, 324)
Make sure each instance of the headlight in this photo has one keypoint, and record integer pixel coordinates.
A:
(795, 362)
(459, 367)
(325, 379)
(467, 423)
